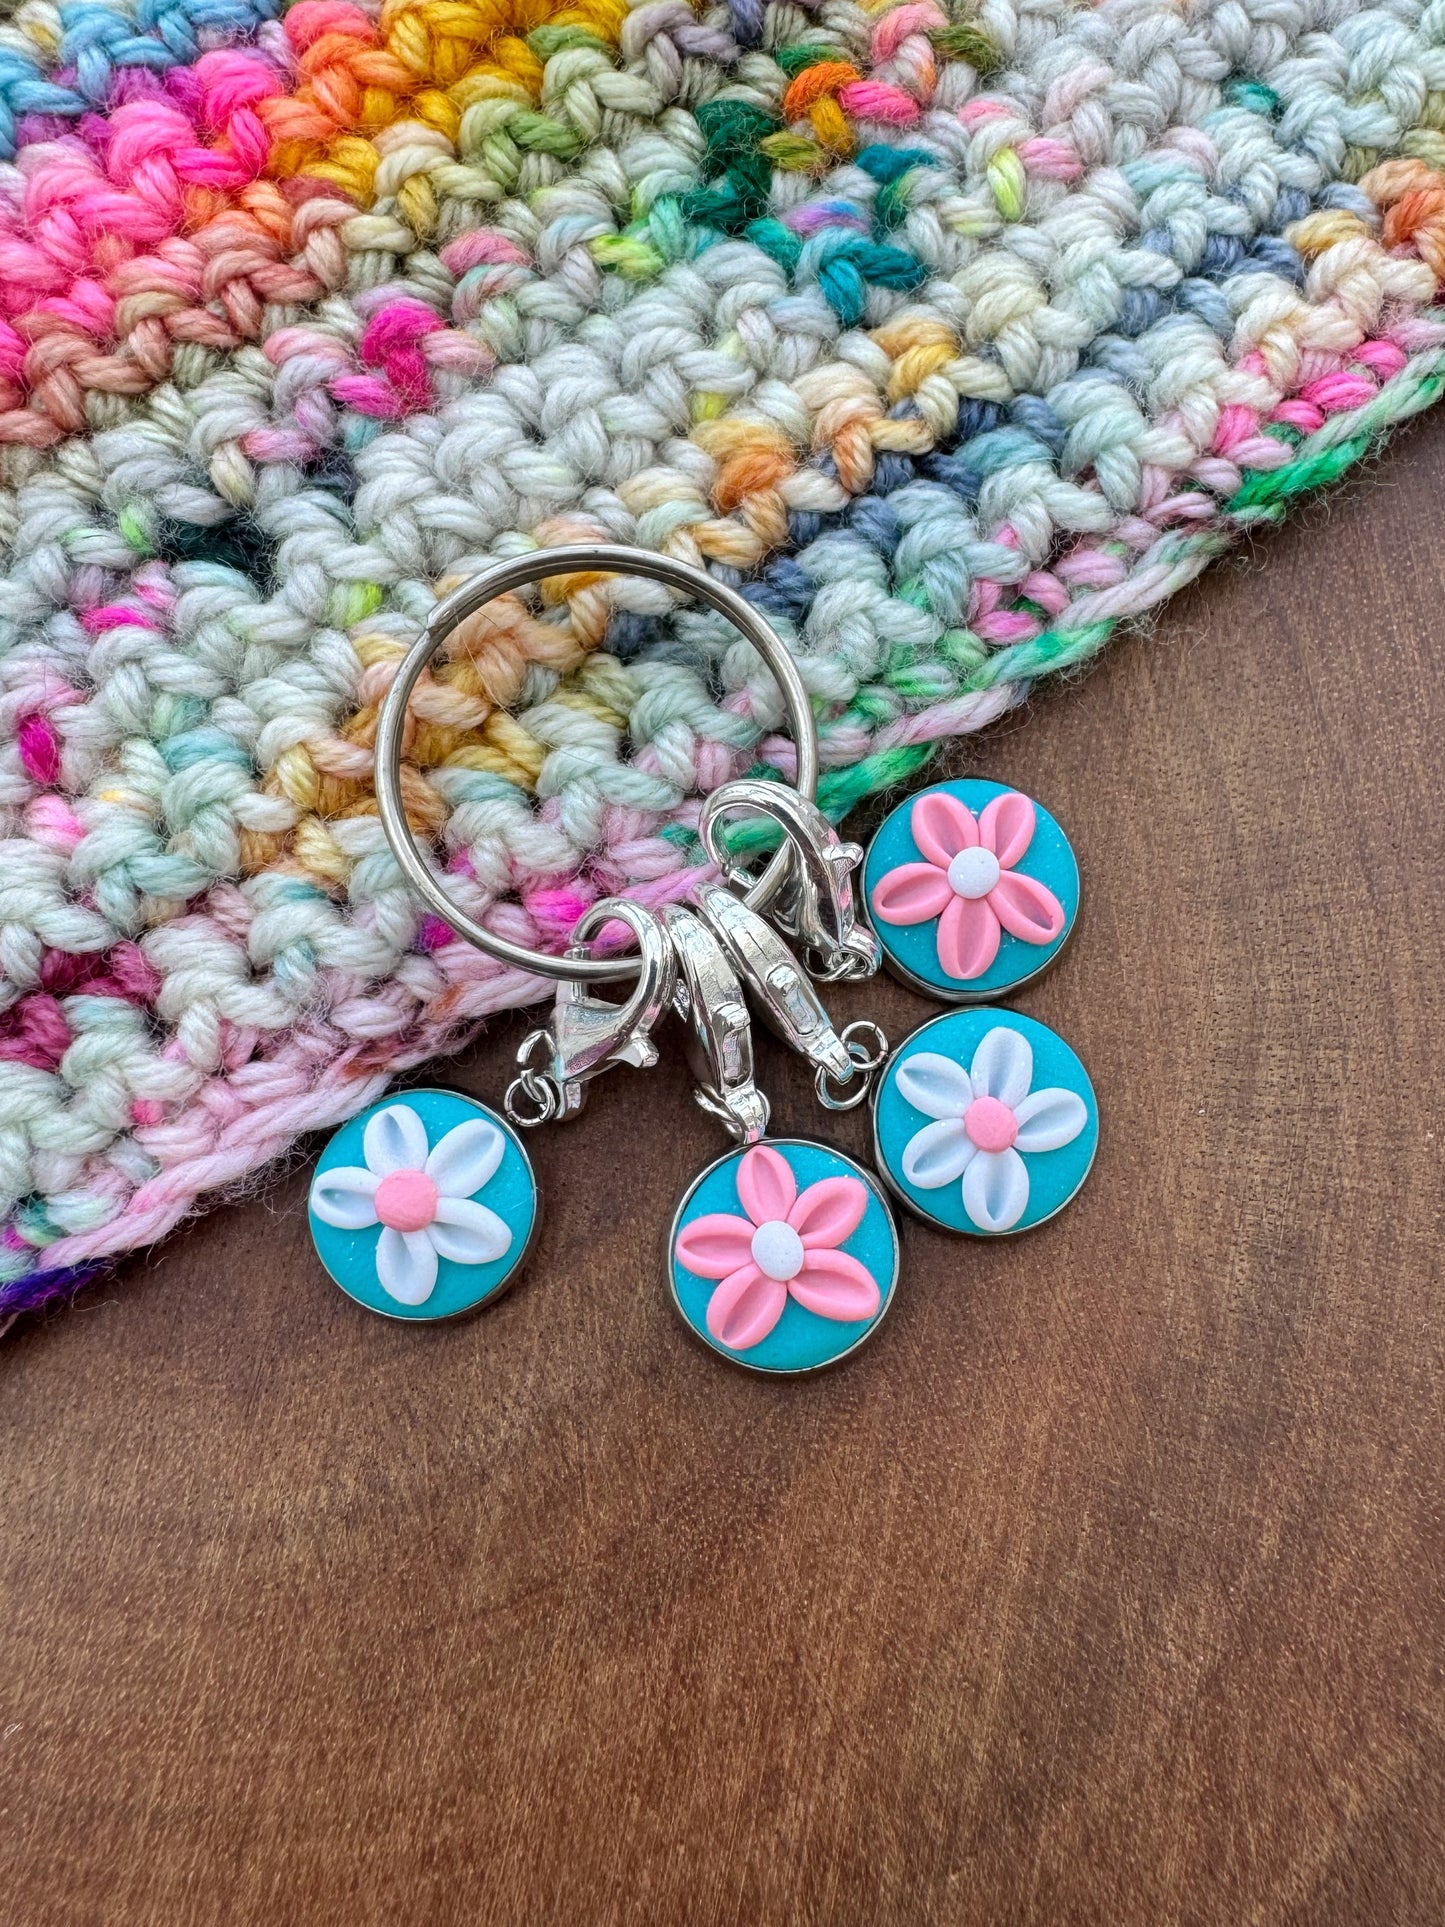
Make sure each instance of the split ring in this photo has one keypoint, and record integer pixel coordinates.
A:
(611, 558)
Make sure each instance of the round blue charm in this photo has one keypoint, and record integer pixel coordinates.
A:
(985, 1122)
(783, 1256)
(423, 1207)
(972, 889)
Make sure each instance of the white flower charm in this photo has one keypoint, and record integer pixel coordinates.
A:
(423, 1199)
(987, 1122)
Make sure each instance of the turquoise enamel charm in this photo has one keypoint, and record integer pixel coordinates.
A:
(783, 1256)
(972, 889)
(423, 1206)
(985, 1122)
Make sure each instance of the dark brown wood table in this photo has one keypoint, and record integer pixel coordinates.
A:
(1105, 1586)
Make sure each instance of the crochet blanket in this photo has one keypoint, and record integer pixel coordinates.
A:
(955, 331)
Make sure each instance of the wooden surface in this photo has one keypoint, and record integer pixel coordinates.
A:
(1104, 1586)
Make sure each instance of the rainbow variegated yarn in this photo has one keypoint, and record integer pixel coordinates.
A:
(954, 334)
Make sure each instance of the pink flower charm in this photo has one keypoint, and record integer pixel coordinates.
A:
(787, 1244)
(969, 881)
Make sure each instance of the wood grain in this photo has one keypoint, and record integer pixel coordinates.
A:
(1106, 1586)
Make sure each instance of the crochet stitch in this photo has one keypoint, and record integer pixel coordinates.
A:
(955, 335)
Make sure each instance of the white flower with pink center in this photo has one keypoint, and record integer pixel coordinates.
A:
(987, 1121)
(786, 1247)
(423, 1198)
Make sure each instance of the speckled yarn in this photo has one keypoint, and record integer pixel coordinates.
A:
(956, 334)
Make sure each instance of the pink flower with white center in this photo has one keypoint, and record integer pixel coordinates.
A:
(969, 881)
(787, 1245)
(987, 1121)
(422, 1198)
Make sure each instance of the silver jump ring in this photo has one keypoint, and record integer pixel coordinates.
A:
(540, 1096)
(610, 558)
(867, 1046)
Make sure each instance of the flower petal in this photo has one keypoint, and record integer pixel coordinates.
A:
(395, 1140)
(968, 936)
(996, 1190)
(715, 1245)
(1050, 1119)
(829, 1211)
(343, 1197)
(406, 1265)
(935, 1085)
(766, 1185)
(1002, 1066)
(1007, 827)
(466, 1157)
(468, 1233)
(1025, 907)
(912, 893)
(942, 826)
(744, 1308)
(938, 1154)
(834, 1285)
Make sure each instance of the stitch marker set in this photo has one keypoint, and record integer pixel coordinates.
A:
(783, 1254)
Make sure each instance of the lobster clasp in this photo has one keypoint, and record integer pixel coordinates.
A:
(709, 999)
(788, 1002)
(588, 1036)
(790, 1006)
(816, 906)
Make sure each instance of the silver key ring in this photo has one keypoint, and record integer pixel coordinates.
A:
(609, 558)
